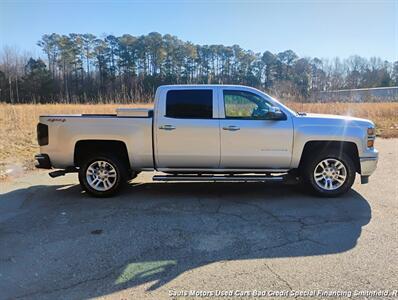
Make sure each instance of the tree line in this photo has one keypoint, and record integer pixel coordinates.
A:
(80, 68)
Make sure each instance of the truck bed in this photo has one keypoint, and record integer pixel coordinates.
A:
(133, 128)
(120, 112)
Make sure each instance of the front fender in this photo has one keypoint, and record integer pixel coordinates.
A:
(309, 133)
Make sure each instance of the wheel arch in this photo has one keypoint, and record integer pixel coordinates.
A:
(84, 148)
(349, 148)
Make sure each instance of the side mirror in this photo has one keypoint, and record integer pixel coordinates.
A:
(275, 113)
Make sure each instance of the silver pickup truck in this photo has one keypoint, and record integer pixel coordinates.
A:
(209, 133)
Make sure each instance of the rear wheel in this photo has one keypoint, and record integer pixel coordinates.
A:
(102, 175)
(330, 173)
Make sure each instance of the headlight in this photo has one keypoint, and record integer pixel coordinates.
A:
(371, 137)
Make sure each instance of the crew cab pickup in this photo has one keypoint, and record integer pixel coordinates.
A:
(209, 133)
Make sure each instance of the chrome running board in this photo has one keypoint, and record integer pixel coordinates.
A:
(231, 178)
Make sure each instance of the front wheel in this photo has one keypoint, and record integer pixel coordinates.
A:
(102, 175)
(330, 173)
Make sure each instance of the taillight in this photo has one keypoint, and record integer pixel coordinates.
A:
(42, 134)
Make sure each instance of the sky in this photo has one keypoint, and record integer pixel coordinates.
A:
(323, 29)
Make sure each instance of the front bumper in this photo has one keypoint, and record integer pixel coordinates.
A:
(368, 165)
(42, 161)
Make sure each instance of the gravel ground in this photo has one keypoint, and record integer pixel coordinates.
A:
(157, 240)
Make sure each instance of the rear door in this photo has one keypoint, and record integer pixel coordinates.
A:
(186, 133)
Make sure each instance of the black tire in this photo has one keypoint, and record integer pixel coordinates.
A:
(334, 154)
(119, 181)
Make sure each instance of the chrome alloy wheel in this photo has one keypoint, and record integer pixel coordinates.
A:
(330, 174)
(101, 176)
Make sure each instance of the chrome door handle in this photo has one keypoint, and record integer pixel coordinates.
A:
(167, 127)
(231, 128)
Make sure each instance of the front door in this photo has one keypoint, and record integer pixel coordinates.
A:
(248, 139)
(187, 135)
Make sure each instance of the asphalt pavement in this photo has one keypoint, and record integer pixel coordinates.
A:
(180, 240)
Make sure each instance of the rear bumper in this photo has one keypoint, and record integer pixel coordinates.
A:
(42, 161)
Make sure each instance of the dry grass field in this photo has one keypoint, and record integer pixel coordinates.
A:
(384, 114)
(18, 124)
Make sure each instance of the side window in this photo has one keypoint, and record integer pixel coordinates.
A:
(189, 104)
(245, 105)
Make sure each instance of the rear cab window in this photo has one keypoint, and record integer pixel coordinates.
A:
(189, 104)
